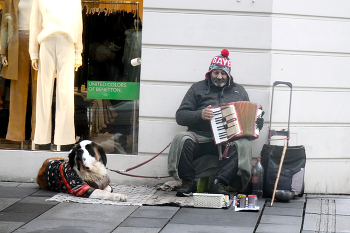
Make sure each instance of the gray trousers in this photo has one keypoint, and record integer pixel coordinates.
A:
(227, 171)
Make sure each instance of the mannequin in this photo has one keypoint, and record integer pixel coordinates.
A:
(57, 27)
(16, 65)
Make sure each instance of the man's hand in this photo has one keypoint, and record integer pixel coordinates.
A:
(207, 113)
(260, 121)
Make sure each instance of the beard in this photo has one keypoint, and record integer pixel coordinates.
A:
(218, 82)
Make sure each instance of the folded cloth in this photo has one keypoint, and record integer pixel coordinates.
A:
(169, 185)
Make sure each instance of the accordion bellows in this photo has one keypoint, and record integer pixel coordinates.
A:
(235, 120)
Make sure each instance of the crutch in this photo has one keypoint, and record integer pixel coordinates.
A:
(280, 133)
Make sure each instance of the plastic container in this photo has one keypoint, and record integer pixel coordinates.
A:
(258, 179)
(202, 184)
(206, 200)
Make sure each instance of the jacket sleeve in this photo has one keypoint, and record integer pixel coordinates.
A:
(243, 93)
(79, 33)
(245, 96)
(35, 29)
(188, 114)
(4, 30)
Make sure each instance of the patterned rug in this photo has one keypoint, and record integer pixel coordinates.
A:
(160, 195)
(137, 196)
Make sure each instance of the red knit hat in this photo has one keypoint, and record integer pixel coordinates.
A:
(221, 62)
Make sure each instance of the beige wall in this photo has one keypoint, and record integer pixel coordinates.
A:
(304, 42)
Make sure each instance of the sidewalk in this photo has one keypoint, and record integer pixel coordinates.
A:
(23, 209)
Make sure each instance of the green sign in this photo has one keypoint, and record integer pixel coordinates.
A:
(113, 90)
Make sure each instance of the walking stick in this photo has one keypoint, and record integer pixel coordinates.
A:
(278, 174)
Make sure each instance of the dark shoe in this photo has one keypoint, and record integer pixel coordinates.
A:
(218, 188)
(43, 146)
(67, 147)
(187, 188)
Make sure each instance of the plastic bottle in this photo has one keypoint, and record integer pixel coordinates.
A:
(258, 179)
(250, 187)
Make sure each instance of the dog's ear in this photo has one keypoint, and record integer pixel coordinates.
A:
(71, 156)
(102, 153)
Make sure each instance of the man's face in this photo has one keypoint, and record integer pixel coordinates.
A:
(219, 77)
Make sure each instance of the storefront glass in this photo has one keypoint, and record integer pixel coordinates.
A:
(106, 86)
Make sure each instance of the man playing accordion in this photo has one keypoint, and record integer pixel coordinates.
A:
(188, 148)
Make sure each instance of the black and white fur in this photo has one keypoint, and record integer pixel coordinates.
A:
(89, 160)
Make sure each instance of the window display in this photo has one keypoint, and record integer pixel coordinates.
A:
(106, 86)
(17, 68)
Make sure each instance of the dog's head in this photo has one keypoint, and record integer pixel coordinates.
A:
(87, 156)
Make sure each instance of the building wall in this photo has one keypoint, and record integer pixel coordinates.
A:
(303, 42)
(179, 40)
(310, 48)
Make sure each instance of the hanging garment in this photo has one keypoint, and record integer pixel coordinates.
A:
(19, 93)
(14, 45)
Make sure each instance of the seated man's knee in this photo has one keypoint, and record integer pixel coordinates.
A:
(189, 144)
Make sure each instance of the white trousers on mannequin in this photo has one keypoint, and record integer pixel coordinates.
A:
(56, 53)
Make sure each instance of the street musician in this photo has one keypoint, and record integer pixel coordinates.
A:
(195, 112)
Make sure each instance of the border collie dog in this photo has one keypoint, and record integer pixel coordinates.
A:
(83, 174)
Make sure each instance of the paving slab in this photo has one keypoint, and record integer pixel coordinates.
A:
(215, 217)
(136, 230)
(281, 220)
(37, 200)
(310, 222)
(44, 193)
(297, 203)
(9, 184)
(155, 212)
(65, 225)
(30, 208)
(7, 227)
(74, 217)
(342, 207)
(320, 223)
(318, 196)
(312, 206)
(17, 217)
(283, 211)
(28, 185)
(145, 222)
(185, 228)
(277, 228)
(78, 211)
(15, 192)
(6, 202)
(343, 223)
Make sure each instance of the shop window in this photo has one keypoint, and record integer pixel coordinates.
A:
(106, 93)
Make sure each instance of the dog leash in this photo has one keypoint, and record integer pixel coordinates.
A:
(123, 172)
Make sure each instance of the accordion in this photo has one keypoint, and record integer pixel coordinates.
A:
(235, 120)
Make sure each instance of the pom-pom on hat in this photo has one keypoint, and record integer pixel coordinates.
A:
(221, 62)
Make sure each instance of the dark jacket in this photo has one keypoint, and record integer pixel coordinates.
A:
(202, 94)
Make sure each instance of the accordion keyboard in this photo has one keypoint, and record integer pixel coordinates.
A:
(218, 127)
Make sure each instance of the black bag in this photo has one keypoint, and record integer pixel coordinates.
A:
(292, 172)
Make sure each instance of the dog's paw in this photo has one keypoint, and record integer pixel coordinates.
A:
(123, 197)
(119, 197)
